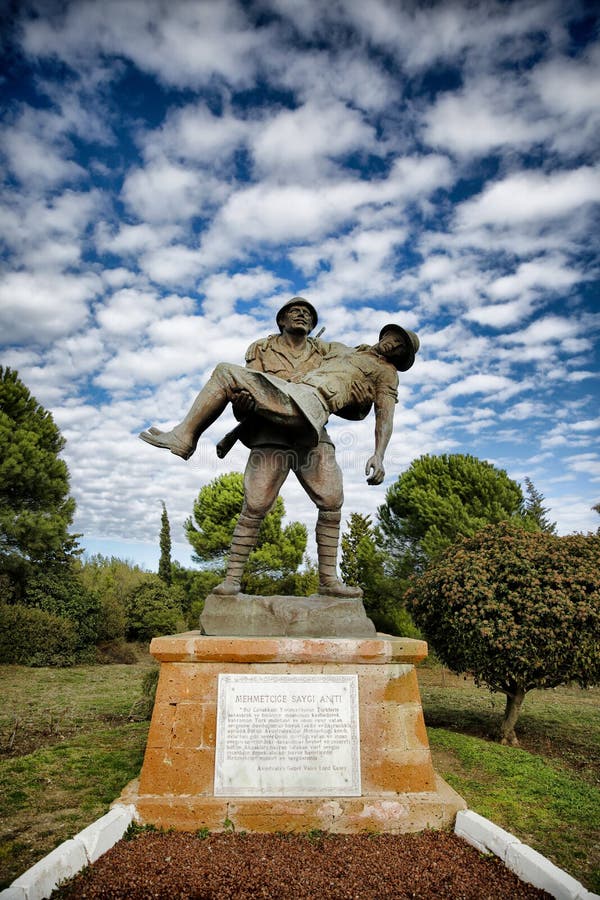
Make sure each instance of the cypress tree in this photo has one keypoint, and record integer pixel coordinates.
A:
(535, 511)
(164, 565)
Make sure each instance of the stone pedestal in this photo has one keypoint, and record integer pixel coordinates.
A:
(400, 792)
(314, 616)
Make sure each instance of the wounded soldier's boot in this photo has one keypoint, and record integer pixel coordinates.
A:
(170, 440)
(206, 408)
(328, 534)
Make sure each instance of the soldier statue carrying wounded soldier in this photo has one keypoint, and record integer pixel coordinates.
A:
(290, 387)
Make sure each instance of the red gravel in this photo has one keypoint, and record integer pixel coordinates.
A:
(433, 865)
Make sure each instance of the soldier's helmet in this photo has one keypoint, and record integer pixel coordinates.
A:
(406, 357)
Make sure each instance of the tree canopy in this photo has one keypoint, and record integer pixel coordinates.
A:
(278, 551)
(516, 609)
(36, 509)
(441, 498)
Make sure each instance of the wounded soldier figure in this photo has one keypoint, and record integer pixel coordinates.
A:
(302, 406)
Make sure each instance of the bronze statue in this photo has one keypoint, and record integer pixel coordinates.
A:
(283, 422)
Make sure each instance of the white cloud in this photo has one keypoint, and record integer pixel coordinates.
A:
(524, 411)
(545, 330)
(265, 213)
(480, 118)
(134, 239)
(319, 75)
(222, 290)
(175, 266)
(481, 31)
(570, 86)
(164, 192)
(299, 141)
(130, 310)
(359, 265)
(501, 315)
(194, 134)
(39, 308)
(182, 44)
(47, 233)
(177, 346)
(482, 384)
(530, 196)
(35, 149)
(545, 273)
(587, 425)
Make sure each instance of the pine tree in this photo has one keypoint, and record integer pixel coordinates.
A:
(278, 552)
(441, 498)
(35, 507)
(164, 565)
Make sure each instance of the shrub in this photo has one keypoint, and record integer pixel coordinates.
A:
(152, 611)
(516, 609)
(34, 637)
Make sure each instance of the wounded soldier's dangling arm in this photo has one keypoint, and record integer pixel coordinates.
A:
(384, 424)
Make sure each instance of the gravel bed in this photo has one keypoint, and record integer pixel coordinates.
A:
(432, 864)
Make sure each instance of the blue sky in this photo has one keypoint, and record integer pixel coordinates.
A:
(173, 172)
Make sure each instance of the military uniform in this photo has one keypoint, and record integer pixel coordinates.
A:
(274, 451)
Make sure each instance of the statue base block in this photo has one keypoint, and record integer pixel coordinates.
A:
(399, 790)
(314, 616)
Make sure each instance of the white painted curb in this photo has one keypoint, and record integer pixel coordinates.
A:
(527, 864)
(38, 882)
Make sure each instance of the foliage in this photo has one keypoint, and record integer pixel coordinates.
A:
(34, 637)
(60, 591)
(516, 609)
(112, 581)
(440, 498)
(278, 551)
(152, 610)
(164, 563)
(215, 513)
(362, 561)
(365, 564)
(193, 587)
(535, 511)
(35, 507)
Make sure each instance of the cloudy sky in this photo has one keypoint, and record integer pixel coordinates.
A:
(174, 171)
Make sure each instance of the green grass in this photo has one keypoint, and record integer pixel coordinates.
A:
(546, 792)
(68, 747)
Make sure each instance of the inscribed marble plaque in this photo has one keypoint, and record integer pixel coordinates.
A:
(287, 736)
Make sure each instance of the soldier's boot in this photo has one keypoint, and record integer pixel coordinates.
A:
(328, 534)
(244, 540)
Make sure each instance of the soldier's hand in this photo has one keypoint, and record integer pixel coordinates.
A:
(374, 470)
(242, 403)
